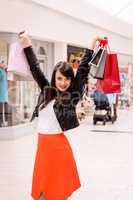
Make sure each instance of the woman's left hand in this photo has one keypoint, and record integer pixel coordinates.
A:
(25, 39)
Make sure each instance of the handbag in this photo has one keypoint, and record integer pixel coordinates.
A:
(17, 62)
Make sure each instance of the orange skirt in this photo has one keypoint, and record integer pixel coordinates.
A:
(55, 173)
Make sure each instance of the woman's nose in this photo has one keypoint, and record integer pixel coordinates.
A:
(63, 82)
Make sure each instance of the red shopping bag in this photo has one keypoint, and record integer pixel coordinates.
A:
(111, 81)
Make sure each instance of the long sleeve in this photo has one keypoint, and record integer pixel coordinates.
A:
(37, 74)
(83, 70)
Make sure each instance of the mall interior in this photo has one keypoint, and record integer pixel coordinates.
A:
(61, 31)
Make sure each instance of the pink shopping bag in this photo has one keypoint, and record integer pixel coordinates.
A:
(17, 62)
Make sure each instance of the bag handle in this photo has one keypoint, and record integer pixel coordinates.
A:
(105, 44)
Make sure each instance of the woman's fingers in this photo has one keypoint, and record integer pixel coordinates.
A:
(20, 33)
(24, 39)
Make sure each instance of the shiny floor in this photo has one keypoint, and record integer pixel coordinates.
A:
(104, 156)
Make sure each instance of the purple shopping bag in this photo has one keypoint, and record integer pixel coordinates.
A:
(17, 62)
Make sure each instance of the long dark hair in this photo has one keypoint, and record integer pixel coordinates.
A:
(51, 92)
(65, 69)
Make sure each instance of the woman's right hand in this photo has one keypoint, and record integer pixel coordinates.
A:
(25, 39)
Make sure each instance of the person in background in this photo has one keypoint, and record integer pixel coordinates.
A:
(113, 101)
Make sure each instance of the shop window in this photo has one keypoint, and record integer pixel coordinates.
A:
(74, 55)
(41, 51)
(42, 57)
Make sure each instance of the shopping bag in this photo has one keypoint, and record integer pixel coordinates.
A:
(101, 67)
(111, 81)
(97, 62)
(17, 62)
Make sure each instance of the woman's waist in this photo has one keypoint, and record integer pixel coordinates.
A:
(50, 133)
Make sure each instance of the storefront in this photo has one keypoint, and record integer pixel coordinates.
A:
(74, 55)
(126, 95)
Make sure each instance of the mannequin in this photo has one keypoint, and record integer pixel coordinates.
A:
(3, 93)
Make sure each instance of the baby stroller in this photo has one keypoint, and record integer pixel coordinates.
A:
(102, 111)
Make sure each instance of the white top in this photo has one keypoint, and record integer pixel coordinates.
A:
(47, 121)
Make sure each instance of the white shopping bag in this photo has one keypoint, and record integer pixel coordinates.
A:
(17, 62)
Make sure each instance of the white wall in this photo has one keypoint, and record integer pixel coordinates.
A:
(47, 23)
(84, 11)
(60, 52)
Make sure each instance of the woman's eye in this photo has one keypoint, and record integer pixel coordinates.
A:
(59, 78)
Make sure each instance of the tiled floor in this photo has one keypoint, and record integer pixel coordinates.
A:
(104, 160)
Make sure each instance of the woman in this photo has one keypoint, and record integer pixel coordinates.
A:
(55, 174)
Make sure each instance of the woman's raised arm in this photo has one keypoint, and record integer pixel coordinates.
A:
(83, 69)
(33, 62)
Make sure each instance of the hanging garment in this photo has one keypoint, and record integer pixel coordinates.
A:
(3, 86)
(17, 62)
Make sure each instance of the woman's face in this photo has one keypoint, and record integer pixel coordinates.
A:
(62, 82)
